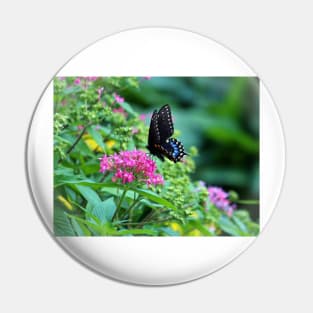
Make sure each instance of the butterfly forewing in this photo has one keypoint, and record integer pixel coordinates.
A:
(165, 123)
(154, 133)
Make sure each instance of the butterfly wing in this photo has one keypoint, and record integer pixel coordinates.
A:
(173, 149)
(165, 123)
(154, 133)
(159, 142)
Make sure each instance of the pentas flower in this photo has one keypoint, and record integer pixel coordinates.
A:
(120, 111)
(135, 130)
(131, 166)
(219, 198)
(77, 81)
(100, 90)
(91, 78)
(142, 117)
(118, 98)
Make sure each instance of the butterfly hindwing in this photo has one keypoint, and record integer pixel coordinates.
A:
(173, 149)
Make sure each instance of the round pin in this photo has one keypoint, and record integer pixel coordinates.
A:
(155, 156)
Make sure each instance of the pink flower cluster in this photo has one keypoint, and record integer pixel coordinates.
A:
(78, 80)
(129, 166)
(118, 98)
(120, 110)
(219, 198)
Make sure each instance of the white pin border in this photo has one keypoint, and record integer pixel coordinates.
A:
(161, 260)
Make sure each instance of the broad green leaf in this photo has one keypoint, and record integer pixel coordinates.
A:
(240, 224)
(128, 108)
(105, 210)
(90, 168)
(89, 194)
(229, 227)
(95, 228)
(156, 198)
(151, 204)
(62, 225)
(78, 229)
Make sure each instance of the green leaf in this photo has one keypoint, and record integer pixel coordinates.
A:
(151, 204)
(128, 108)
(89, 194)
(116, 192)
(96, 136)
(248, 202)
(59, 138)
(62, 225)
(105, 210)
(95, 228)
(169, 231)
(154, 197)
(80, 229)
(240, 224)
(126, 232)
(228, 226)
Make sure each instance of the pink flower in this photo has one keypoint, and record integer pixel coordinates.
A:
(135, 130)
(142, 117)
(91, 78)
(120, 111)
(130, 166)
(118, 98)
(80, 127)
(100, 90)
(219, 198)
(77, 81)
(147, 77)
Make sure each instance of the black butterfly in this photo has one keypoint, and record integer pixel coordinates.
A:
(159, 142)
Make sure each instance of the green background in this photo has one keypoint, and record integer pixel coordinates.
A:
(218, 115)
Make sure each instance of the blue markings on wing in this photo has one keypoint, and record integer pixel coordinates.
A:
(175, 147)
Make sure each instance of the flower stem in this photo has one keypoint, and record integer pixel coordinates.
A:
(69, 150)
(103, 177)
(131, 208)
(119, 204)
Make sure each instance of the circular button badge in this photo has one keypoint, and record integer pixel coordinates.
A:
(155, 156)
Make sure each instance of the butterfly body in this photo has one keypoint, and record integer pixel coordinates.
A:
(159, 142)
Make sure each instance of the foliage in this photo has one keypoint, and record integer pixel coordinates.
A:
(106, 185)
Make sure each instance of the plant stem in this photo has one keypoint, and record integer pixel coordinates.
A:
(253, 202)
(147, 222)
(69, 150)
(131, 208)
(119, 204)
(103, 177)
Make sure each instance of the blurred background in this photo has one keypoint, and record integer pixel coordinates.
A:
(219, 116)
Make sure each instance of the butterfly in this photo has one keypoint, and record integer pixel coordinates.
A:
(159, 142)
